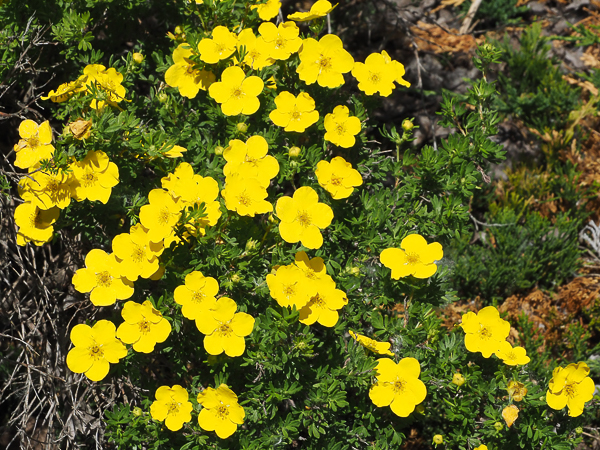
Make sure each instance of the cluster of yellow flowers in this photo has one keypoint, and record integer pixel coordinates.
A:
(46, 193)
(96, 78)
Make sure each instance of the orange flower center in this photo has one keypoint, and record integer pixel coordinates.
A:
(144, 326)
(104, 279)
(304, 219)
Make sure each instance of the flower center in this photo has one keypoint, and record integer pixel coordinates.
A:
(144, 326)
(222, 411)
(412, 258)
(485, 333)
(96, 352)
(570, 390)
(53, 186)
(279, 42)
(173, 407)
(324, 63)
(104, 279)
(340, 129)
(164, 215)
(198, 296)
(374, 78)
(289, 290)
(316, 301)
(399, 386)
(138, 254)
(237, 92)
(33, 141)
(244, 199)
(225, 330)
(304, 219)
(89, 179)
(336, 181)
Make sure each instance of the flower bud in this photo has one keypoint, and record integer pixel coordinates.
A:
(355, 271)
(219, 150)
(294, 152)
(242, 127)
(251, 244)
(137, 411)
(138, 58)
(162, 97)
(438, 439)
(498, 426)
(458, 379)
(235, 278)
(420, 409)
(579, 430)
(407, 125)
(178, 30)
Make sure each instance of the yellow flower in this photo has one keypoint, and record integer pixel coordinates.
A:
(95, 348)
(289, 287)
(172, 406)
(484, 331)
(417, 257)
(107, 81)
(397, 67)
(35, 224)
(570, 387)
(236, 93)
(102, 277)
(338, 177)
(250, 160)
(398, 385)
(160, 215)
(341, 128)
(382, 348)
(458, 379)
(319, 9)
(323, 306)
(268, 10)
(294, 113)
(438, 439)
(220, 412)
(65, 91)
(197, 295)
(375, 75)
(94, 177)
(225, 329)
(144, 326)
(246, 196)
(34, 145)
(516, 390)
(512, 356)
(510, 414)
(257, 51)
(280, 41)
(324, 61)
(314, 271)
(184, 75)
(47, 190)
(175, 152)
(221, 46)
(303, 217)
(481, 447)
(138, 256)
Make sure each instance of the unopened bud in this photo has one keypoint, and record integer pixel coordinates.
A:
(251, 244)
(219, 150)
(498, 426)
(458, 379)
(178, 30)
(438, 439)
(355, 271)
(294, 152)
(138, 58)
(162, 97)
(137, 411)
(242, 127)
(407, 125)
(235, 278)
